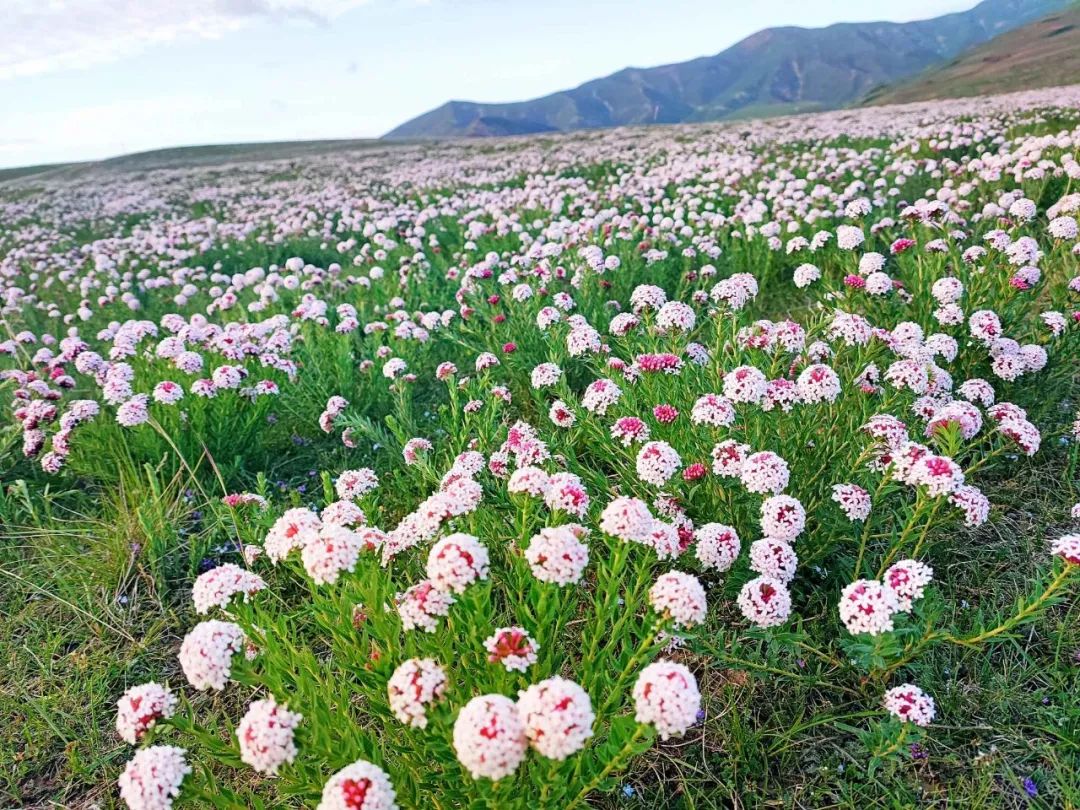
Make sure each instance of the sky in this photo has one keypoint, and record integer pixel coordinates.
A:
(89, 79)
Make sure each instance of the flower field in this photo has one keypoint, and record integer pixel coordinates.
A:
(698, 466)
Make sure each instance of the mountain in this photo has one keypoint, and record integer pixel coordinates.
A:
(1042, 54)
(772, 72)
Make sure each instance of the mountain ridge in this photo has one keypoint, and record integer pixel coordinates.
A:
(776, 70)
(1043, 53)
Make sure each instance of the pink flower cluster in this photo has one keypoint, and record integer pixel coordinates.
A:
(265, 734)
(415, 685)
(216, 587)
(140, 707)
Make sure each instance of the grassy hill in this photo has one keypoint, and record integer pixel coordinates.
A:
(1043, 54)
(186, 157)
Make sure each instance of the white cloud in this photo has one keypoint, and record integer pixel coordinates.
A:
(40, 36)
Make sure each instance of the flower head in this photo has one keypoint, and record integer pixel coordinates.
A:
(415, 685)
(206, 653)
(360, 786)
(265, 734)
(421, 606)
(152, 779)
(666, 696)
(681, 596)
(868, 606)
(717, 546)
(558, 717)
(456, 562)
(557, 554)
(489, 737)
(910, 704)
(765, 601)
(908, 580)
(140, 707)
(512, 647)
(218, 585)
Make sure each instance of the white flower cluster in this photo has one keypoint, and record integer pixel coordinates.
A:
(681, 596)
(558, 717)
(359, 786)
(718, 546)
(765, 601)
(140, 707)
(489, 737)
(557, 554)
(910, 704)
(206, 653)
(421, 606)
(457, 561)
(656, 462)
(290, 531)
(353, 484)
(152, 779)
(265, 734)
(666, 696)
(332, 550)
(868, 606)
(415, 685)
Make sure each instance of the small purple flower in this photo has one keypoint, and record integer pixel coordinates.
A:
(1030, 788)
(918, 752)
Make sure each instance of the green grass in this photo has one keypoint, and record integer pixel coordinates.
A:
(95, 576)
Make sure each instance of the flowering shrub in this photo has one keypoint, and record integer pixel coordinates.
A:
(728, 411)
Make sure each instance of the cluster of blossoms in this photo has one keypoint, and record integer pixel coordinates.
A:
(140, 707)
(868, 605)
(680, 596)
(265, 734)
(207, 651)
(152, 779)
(557, 716)
(657, 462)
(415, 684)
(666, 696)
(456, 562)
(558, 554)
(910, 704)
(513, 648)
(218, 585)
(359, 786)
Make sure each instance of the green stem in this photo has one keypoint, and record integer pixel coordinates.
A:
(635, 659)
(1055, 585)
(615, 763)
(892, 749)
(916, 516)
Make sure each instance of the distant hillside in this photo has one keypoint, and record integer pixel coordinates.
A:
(772, 72)
(1043, 54)
(185, 157)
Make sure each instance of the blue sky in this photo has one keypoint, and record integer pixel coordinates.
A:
(87, 79)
